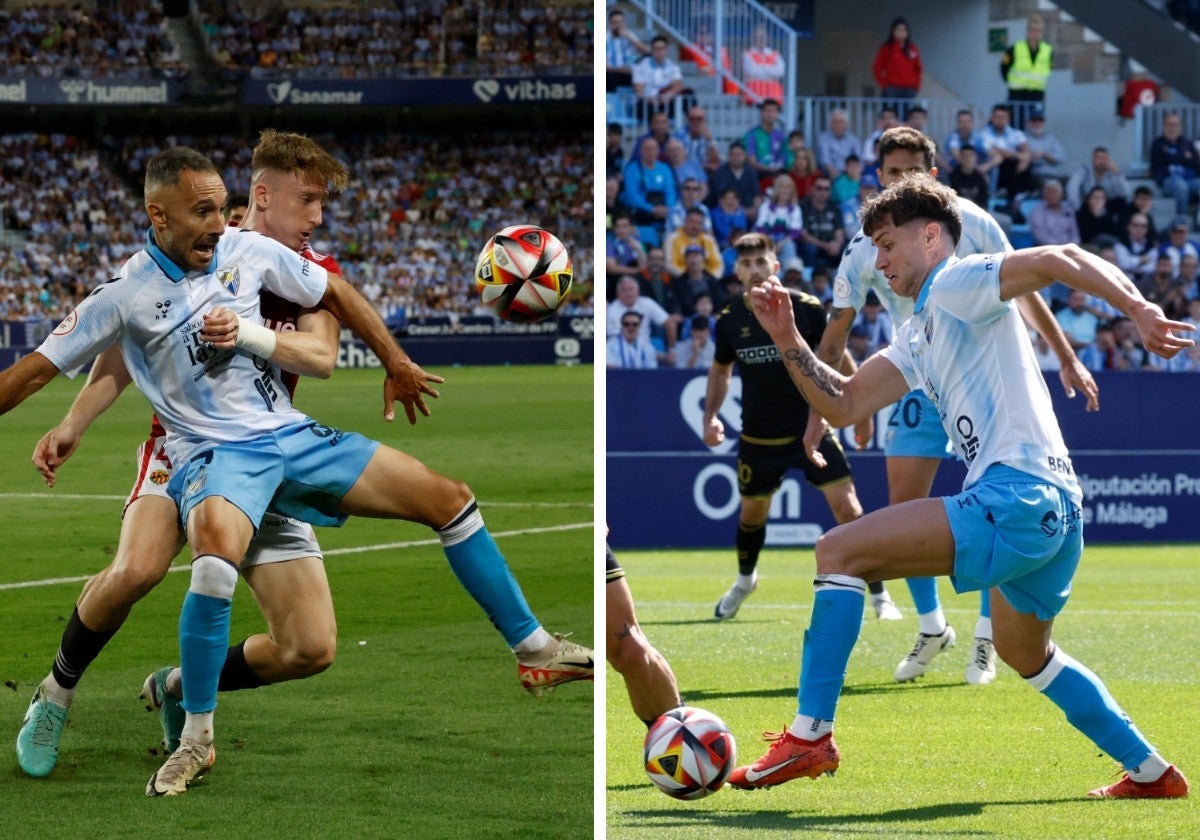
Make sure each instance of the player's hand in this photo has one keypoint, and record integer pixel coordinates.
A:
(52, 451)
(773, 307)
(1075, 375)
(220, 328)
(409, 384)
(813, 433)
(864, 432)
(714, 432)
(1160, 335)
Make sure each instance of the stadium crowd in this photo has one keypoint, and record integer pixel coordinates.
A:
(363, 40)
(676, 200)
(94, 40)
(406, 231)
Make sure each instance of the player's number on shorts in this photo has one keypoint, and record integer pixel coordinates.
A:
(906, 411)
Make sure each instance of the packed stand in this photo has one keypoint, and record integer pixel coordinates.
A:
(406, 232)
(429, 38)
(676, 198)
(113, 39)
(73, 214)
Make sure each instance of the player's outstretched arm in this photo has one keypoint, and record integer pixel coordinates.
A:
(1073, 373)
(309, 350)
(23, 379)
(406, 381)
(1034, 268)
(839, 399)
(107, 379)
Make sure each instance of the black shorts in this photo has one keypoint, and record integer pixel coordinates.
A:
(612, 569)
(761, 467)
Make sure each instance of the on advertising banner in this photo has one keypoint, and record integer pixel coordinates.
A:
(485, 90)
(1137, 461)
(108, 91)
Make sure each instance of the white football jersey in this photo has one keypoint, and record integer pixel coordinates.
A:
(969, 351)
(156, 309)
(856, 274)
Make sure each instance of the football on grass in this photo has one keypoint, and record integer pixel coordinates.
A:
(689, 752)
(523, 273)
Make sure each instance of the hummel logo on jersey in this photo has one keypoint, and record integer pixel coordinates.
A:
(231, 279)
(162, 306)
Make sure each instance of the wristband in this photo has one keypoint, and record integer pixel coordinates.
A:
(255, 338)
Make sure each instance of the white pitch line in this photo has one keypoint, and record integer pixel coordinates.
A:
(362, 549)
(104, 498)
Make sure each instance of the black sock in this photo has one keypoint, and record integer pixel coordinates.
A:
(876, 588)
(78, 648)
(750, 539)
(236, 674)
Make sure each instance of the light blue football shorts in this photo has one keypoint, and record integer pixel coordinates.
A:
(1018, 532)
(915, 429)
(301, 470)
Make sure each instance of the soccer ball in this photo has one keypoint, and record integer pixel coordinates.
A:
(523, 273)
(688, 753)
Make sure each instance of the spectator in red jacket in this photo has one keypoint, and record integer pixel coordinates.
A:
(897, 66)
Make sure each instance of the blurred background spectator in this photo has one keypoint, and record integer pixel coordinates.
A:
(897, 65)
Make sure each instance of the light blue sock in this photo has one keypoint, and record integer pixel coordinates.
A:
(204, 630)
(483, 572)
(1091, 709)
(924, 594)
(831, 634)
(985, 604)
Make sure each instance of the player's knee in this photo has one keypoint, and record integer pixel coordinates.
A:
(452, 497)
(847, 509)
(834, 555)
(629, 651)
(310, 657)
(132, 578)
(1022, 658)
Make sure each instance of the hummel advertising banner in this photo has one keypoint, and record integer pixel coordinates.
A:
(116, 90)
(487, 90)
(1137, 461)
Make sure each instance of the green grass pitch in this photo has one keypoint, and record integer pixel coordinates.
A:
(419, 729)
(934, 759)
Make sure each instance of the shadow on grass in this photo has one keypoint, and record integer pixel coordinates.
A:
(847, 691)
(793, 821)
(700, 619)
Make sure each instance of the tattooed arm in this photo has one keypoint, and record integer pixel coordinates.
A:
(840, 399)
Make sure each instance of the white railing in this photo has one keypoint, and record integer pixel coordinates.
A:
(726, 29)
(1147, 123)
(730, 117)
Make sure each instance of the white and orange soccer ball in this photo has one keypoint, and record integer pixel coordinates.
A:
(523, 273)
(689, 753)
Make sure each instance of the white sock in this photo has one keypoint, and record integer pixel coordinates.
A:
(983, 628)
(55, 693)
(1150, 770)
(932, 623)
(199, 728)
(532, 643)
(809, 728)
(746, 581)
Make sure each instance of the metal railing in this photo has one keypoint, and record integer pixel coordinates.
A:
(1147, 124)
(729, 117)
(726, 29)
